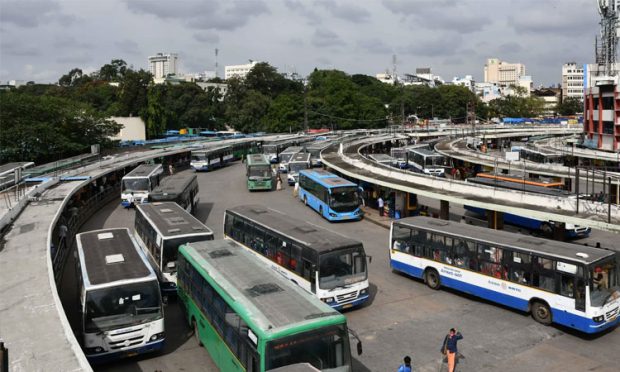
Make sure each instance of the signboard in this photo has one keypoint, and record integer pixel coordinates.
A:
(512, 155)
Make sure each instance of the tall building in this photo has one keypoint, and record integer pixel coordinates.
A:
(503, 73)
(572, 81)
(162, 65)
(602, 108)
(238, 70)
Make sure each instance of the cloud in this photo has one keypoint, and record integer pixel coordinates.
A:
(509, 48)
(210, 15)
(75, 58)
(17, 49)
(435, 47)
(128, 46)
(69, 42)
(574, 19)
(347, 11)
(30, 14)
(375, 46)
(296, 6)
(296, 42)
(325, 38)
(324, 61)
(408, 8)
(207, 37)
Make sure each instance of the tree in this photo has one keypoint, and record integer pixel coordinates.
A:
(132, 99)
(265, 79)
(45, 128)
(570, 106)
(73, 78)
(113, 71)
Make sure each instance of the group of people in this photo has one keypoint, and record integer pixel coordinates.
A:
(449, 351)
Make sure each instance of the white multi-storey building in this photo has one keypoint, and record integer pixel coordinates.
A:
(238, 70)
(503, 73)
(162, 65)
(467, 81)
(572, 80)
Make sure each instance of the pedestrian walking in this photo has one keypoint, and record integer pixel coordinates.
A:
(406, 366)
(296, 189)
(170, 169)
(449, 348)
(278, 182)
(381, 205)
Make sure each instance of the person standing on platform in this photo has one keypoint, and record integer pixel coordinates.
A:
(381, 205)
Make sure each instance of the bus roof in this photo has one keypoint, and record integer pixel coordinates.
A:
(318, 145)
(173, 185)
(110, 255)
(292, 149)
(381, 158)
(318, 239)
(521, 180)
(424, 151)
(172, 221)
(260, 295)
(562, 250)
(144, 170)
(257, 159)
(300, 157)
(326, 178)
(541, 151)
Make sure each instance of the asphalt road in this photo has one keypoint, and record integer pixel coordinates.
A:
(404, 317)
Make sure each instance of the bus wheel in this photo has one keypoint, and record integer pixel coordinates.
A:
(547, 229)
(431, 277)
(321, 210)
(305, 200)
(541, 312)
(196, 333)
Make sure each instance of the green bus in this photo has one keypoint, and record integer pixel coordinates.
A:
(259, 173)
(250, 318)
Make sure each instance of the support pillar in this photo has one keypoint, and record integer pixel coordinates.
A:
(495, 220)
(444, 210)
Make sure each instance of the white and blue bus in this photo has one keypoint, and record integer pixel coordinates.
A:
(181, 188)
(329, 265)
(424, 160)
(206, 160)
(335, 198)
(160, 229)
(286, 156)
(120, 304)
(575, 286)
(137, 184)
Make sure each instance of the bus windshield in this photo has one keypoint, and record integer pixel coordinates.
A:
(344, 199)
(285, 157)
(296, 167)
(435, 161)
(171, 249)
(199, 157)
(263, 171)
(326, 349)
(343, 267)
(604, 282)
(135, 184)
(122, 306)
(270, 149)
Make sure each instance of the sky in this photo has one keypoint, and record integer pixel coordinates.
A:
(41, 40)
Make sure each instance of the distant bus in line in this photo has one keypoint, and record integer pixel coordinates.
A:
(335, 198)
(557, 282)
(120, 303)
(250, 318)
(298, 162)
(286, 155)
(160, 229)
(137, 184)
(258, 172)
(181, 188)
(206, 160)
(427, 161)
(325, 263)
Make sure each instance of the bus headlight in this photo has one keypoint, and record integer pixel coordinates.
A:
(364, 292)
(328, 300)
(332, 214)
(157, 336)
(94, 350)
(599, 319)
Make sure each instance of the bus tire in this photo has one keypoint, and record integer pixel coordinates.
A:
(432, 279)
(305, 200)
(321, 210)
(541, 312)
(196, 332)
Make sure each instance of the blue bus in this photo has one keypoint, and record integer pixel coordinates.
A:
(335, 198)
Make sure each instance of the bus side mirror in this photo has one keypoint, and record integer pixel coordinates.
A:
(369, 259)
(359, 347)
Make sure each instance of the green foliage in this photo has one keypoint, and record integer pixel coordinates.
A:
(516, 106)
(570, 106)
(44, 128)
(133, 91)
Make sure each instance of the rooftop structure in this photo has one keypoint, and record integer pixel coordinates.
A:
(503, 73)
(238, 70)
(162, 65)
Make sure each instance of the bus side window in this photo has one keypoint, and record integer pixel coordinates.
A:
(295, 261)
(308, 273)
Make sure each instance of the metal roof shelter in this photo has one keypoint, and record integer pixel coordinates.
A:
(553, 248)
(170, 220)
(277, 302)
(318, 239)
(110, 255)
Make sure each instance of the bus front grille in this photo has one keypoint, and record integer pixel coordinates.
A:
(611, 314)
(115, 345)
(346, 296)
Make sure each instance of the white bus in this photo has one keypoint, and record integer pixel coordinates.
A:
(160, 229)
(427, 161)
(286, 155)
(120, 301)
(572, 285)
(325, 263)
(298, 162)
(137, 184)
(181, 188)
(206, 160)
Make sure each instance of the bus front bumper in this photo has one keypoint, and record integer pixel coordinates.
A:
(107, 357)
(343, 306)
(351, 216)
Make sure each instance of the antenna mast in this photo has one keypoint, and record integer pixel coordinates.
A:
(216, 65)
